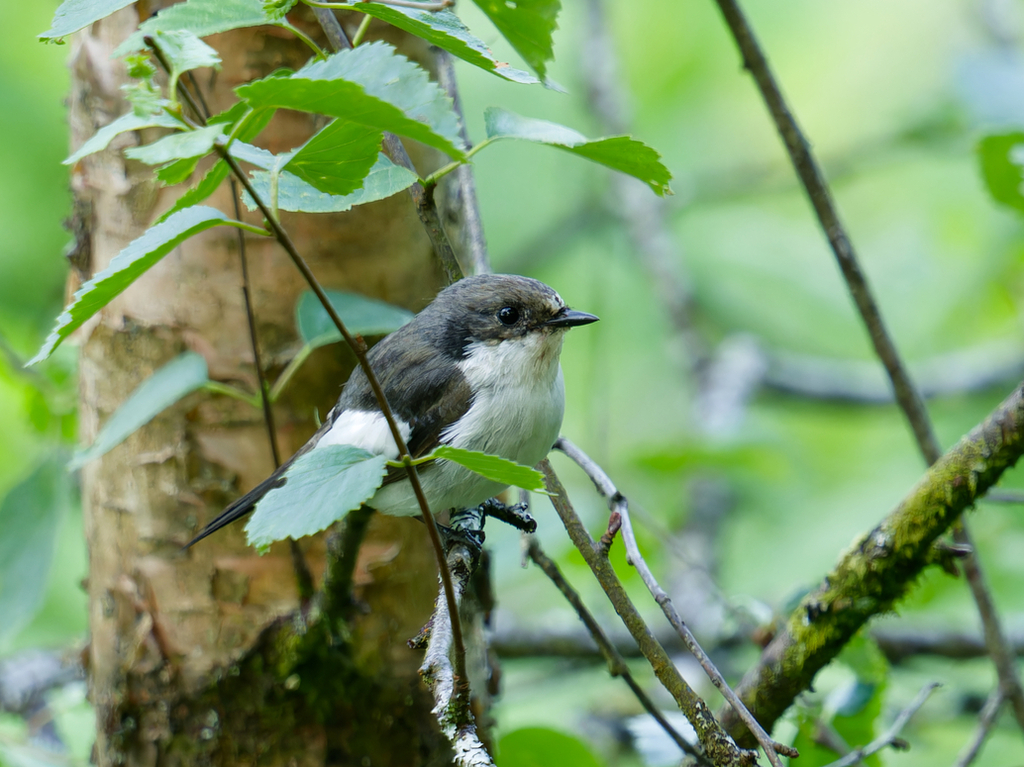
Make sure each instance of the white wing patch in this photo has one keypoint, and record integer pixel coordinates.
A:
(366, 429)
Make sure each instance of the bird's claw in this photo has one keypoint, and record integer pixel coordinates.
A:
(517, 514)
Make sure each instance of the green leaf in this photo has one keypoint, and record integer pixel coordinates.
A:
(254, 120)
(185, 51)
(494, 467)
(528, 25)
(207, 185)
(445, 30)
(541, 747)
(321, 487)
(101, 139)
(201, 18)
(182, 375)
(338, 157)
(276, 9)
(362, 315)
(620, 153)
(1002, 166)
(73, 15)
(177, 171)
(178, 146)
(128, 265)
(30, 518)
(371, 85)
(145, 98)
(385, 179)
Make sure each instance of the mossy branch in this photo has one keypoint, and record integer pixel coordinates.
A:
(880, 566)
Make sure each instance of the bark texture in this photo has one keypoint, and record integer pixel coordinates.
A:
(201, 657)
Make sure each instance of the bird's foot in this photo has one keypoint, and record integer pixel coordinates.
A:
(516, 514)
(466, 527)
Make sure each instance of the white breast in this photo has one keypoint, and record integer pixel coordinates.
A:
(518, 403)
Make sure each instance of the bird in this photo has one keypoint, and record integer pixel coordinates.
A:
(477, 369)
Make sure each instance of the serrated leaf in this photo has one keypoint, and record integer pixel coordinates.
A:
(207, 185)
(30, 518)
(101, 139)
(184, 51)
(201, 18)
(528, 25)
(338, 157)
(361, 314)
(182, 375)
(276, 9)
(445, 30)
(494, 467)
(371, 85)
(177, 146)
(621, 153)
(128, 265)
(321, 487)
(254, 155)
(73, 15)
(1002, 167)
(384, 179)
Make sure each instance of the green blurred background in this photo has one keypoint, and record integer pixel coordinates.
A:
(894, 97)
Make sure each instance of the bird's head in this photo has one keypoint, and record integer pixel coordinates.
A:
(492, 309)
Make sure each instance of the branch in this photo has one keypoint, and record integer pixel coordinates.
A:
(908, 397)
(882, 565)
(463, 189)
(616, 664)
(717, 745)
(986, 720)
(442, 680)
(618, 506)
(889, 737)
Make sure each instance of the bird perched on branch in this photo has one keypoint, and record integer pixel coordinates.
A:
(477, 369)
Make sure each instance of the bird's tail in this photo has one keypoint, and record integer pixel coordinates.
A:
(242, 506)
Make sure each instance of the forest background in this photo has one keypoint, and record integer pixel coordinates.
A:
(894, 99)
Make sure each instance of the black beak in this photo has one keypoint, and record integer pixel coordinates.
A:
(570, 318)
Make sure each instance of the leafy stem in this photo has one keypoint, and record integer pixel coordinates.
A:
(309, 42)
(216, 387)
(431, 181)
(364, 25)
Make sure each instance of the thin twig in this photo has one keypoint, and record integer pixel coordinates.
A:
(616, 663)
(463, 188)
(359, 349)
(617, 504)
(986, 720)
(907, 395)
(303, 575)
(423, 199)
(887, 738)
(431, 219)
(717, 744)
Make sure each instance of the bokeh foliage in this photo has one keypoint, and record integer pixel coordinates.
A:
(894, 97)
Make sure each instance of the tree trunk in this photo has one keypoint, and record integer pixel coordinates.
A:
(196, 657)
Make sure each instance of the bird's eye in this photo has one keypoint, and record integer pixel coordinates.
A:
(508, 315)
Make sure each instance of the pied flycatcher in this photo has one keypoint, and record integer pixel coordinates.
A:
(477, 369)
